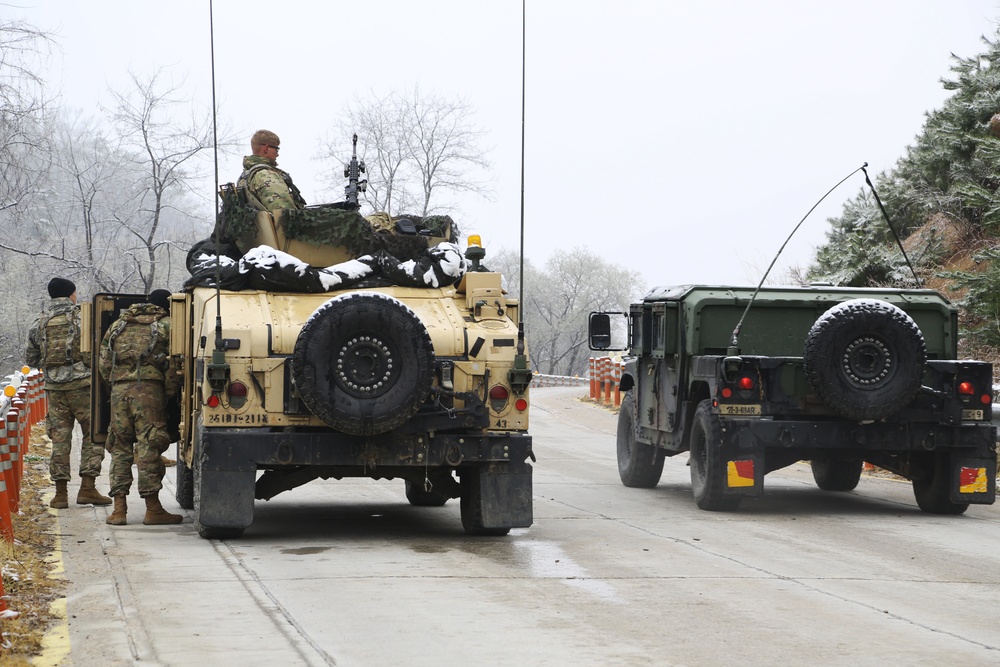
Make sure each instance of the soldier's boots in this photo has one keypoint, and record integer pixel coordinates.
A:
(117, 517)
(89, 495)
(60, 501)
(156, 515)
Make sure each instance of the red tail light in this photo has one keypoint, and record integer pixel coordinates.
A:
(237, 392)
(498, 397)
(745, 383)
(499, 393)
(966, 389)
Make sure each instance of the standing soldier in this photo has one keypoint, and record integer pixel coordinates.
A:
(134, 360)
(54, 346)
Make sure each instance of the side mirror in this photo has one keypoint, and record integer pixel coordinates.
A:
(603, 335)
(599, 331)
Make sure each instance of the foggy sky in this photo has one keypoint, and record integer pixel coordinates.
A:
(683, 140)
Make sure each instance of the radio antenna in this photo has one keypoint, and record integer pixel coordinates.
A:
(215, 129)
(216, 371)
(520, 279)
(520, 375)
(215, 191)
(888, 221)
(735, 340)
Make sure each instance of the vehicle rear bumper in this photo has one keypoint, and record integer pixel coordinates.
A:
(755, 433)
(908, 449)
(248, 449)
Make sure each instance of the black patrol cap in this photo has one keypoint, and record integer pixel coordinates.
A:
(61, 287)
(161, 298)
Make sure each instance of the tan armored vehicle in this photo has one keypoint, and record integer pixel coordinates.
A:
(383, 367)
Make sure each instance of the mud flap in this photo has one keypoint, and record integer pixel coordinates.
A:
(223, 489)
(973, 480)
(738, 461)
(500, 495)
(224, 498)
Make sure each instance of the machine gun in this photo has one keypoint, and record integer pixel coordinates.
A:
(352, 172)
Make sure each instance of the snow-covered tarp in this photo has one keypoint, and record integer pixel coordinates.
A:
(265, 268)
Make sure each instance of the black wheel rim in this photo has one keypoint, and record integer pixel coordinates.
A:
(867, 362)
(366, 366)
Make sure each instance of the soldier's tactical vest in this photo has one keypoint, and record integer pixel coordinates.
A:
(249, 199)
(60, 344)
(133, 343)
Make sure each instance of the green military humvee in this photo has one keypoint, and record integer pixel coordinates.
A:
(833, 376)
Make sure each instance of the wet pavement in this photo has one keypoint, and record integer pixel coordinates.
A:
(348, 573)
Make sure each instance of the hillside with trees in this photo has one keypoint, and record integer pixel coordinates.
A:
(943, 199)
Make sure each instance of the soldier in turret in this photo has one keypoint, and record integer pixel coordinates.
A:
(54, 347)
(134, 361)
(267, 187)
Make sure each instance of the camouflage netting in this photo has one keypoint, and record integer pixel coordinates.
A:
(336, 225)
(384, 256)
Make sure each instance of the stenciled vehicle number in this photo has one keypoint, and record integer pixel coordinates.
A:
(236, 420)
(972, 414)
(740, 410)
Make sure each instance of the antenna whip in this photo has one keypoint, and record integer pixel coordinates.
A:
(895, 235)
(734, 342)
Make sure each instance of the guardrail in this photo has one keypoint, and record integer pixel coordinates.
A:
(542, 380)
(22, 405)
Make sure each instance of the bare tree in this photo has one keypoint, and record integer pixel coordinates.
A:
(164, 151)
(558, 300)
(110, 211)
(88, 175)
(23, 106)
(24, 162)
(69, 226)
(114, 211)
(381, 128)
(444, 146)
(416, 148)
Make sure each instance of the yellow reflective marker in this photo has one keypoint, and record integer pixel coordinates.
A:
(973, 480)
(740, 473)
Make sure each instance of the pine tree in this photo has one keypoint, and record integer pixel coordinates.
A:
(952, 172)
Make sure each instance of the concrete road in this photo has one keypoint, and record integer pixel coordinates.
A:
(347, 573)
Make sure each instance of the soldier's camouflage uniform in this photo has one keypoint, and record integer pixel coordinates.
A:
(54, 347)
(271, 187)
(134, 361)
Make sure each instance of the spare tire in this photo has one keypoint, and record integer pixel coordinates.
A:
(363, 363)
(865, 359)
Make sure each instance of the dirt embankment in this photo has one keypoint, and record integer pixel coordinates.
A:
(28, 580)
